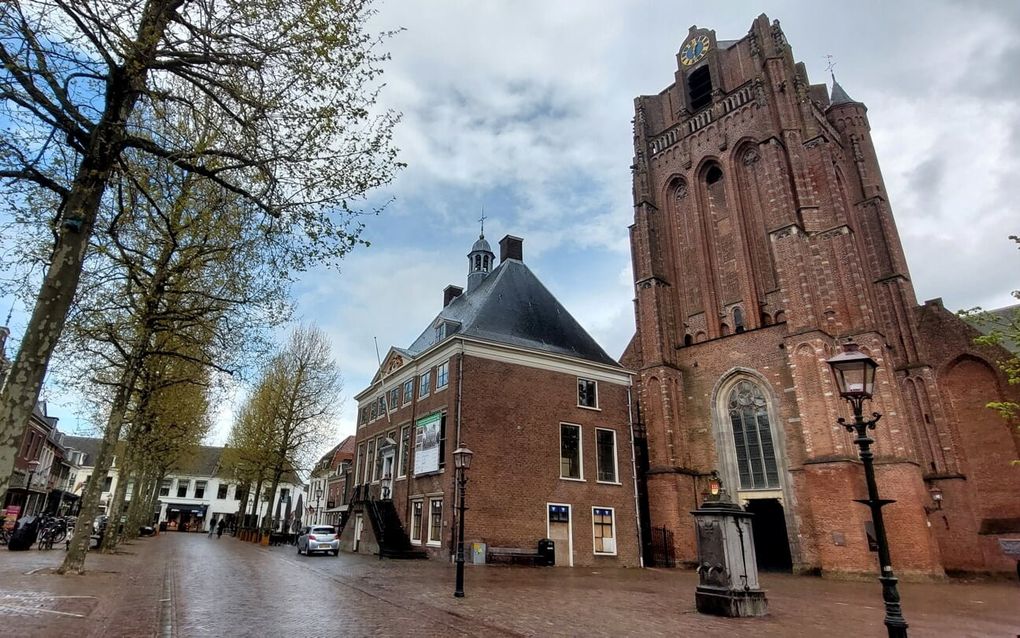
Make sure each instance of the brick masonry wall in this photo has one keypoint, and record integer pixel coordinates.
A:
(511, 420)
(798, 234)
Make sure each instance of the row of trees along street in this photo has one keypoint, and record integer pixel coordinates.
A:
(168, 167)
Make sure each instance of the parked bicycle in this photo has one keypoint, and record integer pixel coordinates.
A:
(52, 530)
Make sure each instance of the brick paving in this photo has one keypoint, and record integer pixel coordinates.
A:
(224, 587)
(118, 596)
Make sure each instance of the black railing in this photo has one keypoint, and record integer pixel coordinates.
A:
(663, 553)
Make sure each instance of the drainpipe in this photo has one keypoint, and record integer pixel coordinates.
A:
(633, 465)
(460, 392)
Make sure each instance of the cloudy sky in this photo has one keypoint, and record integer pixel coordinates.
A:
(523, 107)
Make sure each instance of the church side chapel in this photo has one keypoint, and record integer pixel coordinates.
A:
(763, 239)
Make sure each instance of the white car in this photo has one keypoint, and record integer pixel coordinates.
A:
(318, 538)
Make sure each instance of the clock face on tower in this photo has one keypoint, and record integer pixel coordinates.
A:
(694, 50)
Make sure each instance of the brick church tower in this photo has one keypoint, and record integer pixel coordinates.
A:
(762, 238)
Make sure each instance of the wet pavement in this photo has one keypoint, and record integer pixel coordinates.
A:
(191, 585)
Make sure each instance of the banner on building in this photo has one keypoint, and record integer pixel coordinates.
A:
(426, 445)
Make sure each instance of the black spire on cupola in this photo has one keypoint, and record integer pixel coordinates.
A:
(480, 259)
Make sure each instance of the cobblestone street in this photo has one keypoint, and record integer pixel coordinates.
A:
(191, 585)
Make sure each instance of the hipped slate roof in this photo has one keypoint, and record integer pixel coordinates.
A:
(511, 306)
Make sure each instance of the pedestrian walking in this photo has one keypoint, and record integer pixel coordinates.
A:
(212, 526)
(220, 527)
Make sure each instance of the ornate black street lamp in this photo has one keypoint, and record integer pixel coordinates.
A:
(33, 465)
(318, 497)
(462, 462)
(855, 376)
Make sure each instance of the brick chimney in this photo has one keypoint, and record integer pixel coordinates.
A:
(450, 293)
(511, 247)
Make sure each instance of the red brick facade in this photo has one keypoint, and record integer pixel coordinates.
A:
(762, 237)
(509, 404)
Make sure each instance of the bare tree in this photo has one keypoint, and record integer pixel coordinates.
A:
(289, 416)
(288, 86)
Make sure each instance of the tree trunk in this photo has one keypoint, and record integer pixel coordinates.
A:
(139, 498)
(242, 510)
(124, 86)
(112, 533)
(272, 499)
(255, 502)
(75, 558)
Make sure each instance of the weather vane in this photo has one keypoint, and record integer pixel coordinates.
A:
(831, 65)
(482, 220)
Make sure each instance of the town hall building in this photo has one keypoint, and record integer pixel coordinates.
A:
(505, 371)
(763, 238)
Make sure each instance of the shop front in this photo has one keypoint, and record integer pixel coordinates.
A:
(185, 517)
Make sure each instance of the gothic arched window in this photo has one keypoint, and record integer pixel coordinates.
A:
(752, 437)
(738, 320)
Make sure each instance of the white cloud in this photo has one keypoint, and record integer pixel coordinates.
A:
(525, 108)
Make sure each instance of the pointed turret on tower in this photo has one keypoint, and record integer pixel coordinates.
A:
(480, 259)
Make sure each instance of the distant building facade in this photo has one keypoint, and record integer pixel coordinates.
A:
(40, 482)
(328, 485)
(763, 236)
(505, 371)
(194, 496)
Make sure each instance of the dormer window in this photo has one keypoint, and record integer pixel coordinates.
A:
(699, 88)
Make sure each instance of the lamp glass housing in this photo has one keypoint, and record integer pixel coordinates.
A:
(33, 465)
(462, 458)
(855, 372)
(318, 493)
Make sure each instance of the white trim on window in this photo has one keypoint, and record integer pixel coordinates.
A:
(616, 458)
(595, 385)
(425, 381)
(580, 453)
(612, 527)
(437, 539)
(442, 374)
(415, 531)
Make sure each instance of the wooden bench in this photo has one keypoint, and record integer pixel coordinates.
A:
(512, 555)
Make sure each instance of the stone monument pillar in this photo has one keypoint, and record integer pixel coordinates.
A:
(726, 562)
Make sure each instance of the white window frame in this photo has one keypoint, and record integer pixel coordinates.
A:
(205, 488)
(425, 381)
(439, 532)
(442, 374)
(408, 391)
(362, 448)
(187, 487)
(616, 457)
(612, 513)
(403, 450)
(580, 452)
(596, 384)
(415, 534)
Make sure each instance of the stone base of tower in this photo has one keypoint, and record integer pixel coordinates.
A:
(844, 544)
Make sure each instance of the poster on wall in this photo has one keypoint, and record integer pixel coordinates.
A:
(426, 447)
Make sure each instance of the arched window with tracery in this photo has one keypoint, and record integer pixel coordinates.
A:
(752, 437)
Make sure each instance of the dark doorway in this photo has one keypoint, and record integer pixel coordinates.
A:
(771, 544)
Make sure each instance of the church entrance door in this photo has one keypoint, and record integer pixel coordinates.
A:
(771, 544)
